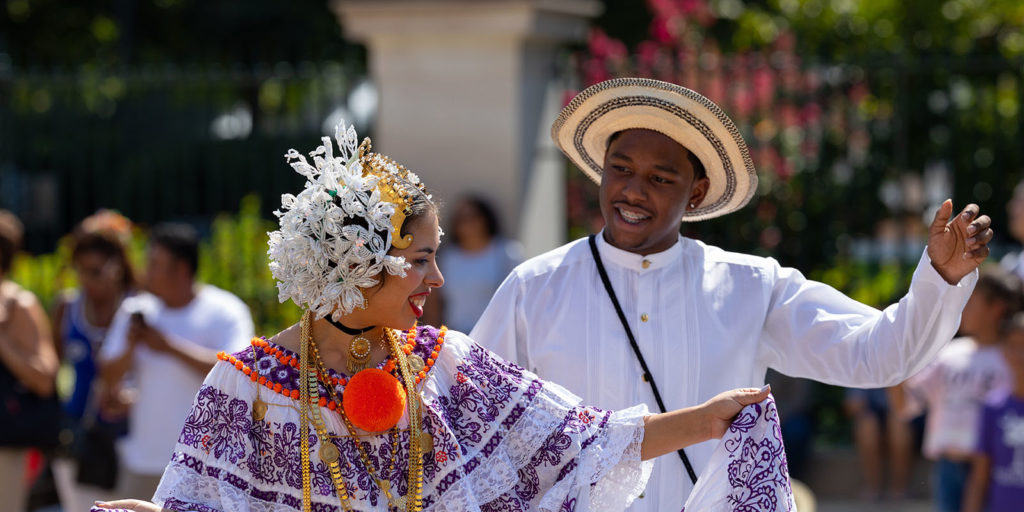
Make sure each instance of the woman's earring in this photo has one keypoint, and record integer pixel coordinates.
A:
(692, 206)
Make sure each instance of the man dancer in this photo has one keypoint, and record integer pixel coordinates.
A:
(705, 319)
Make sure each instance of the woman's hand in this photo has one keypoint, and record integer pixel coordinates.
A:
(134, 505)
(725, 406)
(671, 431)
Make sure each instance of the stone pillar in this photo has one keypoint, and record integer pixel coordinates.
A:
(463, 86)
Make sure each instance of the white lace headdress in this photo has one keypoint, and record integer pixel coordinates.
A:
(334, 236)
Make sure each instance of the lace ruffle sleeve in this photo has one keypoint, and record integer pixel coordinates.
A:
(506, 440)
(226, 461)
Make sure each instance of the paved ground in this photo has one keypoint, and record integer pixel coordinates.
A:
(883, 506)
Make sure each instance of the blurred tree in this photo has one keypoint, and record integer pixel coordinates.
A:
(121, 33)
(162, 109)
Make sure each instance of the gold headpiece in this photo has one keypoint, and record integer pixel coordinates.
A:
(393, 185)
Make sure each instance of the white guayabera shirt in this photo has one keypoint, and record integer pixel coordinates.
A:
(706, 320)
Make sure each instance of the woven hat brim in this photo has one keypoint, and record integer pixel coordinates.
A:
(695, 122)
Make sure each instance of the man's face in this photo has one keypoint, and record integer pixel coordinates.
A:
(1015, 209)
(647, 184)
(163, 270)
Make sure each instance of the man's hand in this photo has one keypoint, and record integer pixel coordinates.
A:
(143, 334)
(724, 407)
(956, 247)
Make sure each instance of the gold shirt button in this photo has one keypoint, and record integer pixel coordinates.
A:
(645, 263)
(643, 317)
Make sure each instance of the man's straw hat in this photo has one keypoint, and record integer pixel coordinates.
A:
(583, 128)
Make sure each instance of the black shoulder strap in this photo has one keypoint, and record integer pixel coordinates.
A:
(636, 348)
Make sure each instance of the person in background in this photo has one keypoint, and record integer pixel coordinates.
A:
(954, 386)
(881, 434)
(168, 338)
(1014, 261)
(28, 361)
(996, 482)
(81, 317)
(476, 263)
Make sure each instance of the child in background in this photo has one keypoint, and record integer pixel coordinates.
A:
(997, 472)
(953, 387)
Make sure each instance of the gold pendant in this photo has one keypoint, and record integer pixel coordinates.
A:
(259, 410)
(328, 452)
(416, 363)
(427, 442)
(358, 354)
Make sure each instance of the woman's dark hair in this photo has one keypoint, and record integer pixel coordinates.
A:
(485, 210)
(698, 167)
(11, 231)
(108, 245)
(180, 240)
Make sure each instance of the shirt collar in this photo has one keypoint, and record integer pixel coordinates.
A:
(636, 262)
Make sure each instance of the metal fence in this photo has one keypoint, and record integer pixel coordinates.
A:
(157, 143)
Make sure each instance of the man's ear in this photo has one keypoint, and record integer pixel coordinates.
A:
(697, 192)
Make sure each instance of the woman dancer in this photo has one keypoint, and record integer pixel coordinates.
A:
(357, 408)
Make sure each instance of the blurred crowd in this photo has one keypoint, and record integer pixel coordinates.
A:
(94, 388)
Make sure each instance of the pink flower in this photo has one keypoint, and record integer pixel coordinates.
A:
(661, 30)
(599, 43)
(763, 83)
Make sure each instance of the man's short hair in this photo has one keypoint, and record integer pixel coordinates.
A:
(1014, 324)
(11, 231)
(999, 284)
(180, 240)
(698, 167)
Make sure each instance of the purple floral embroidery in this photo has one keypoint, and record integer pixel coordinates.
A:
(755, 462)
(475, 416)
(219, 423)
(569, 505)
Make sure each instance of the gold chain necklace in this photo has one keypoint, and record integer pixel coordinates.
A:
(413, 501)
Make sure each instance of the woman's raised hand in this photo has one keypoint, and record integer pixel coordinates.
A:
(722, 408)
(133, 505)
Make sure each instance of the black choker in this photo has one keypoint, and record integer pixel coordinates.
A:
(348, 330)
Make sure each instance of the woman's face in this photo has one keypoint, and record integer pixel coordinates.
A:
(99, 275)
(399, 301)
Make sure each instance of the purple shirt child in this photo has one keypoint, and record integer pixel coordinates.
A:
(1002, 439)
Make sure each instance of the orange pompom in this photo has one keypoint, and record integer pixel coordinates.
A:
(373, 400)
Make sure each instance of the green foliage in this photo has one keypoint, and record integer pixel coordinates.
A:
(233, 257)
(874, 284)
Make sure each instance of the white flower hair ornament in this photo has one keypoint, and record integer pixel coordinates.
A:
(334, 236)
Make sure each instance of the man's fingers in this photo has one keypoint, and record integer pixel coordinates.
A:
(942, 217)
(979, 253)
(980, 224)
(966, 215)
(980, 239)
